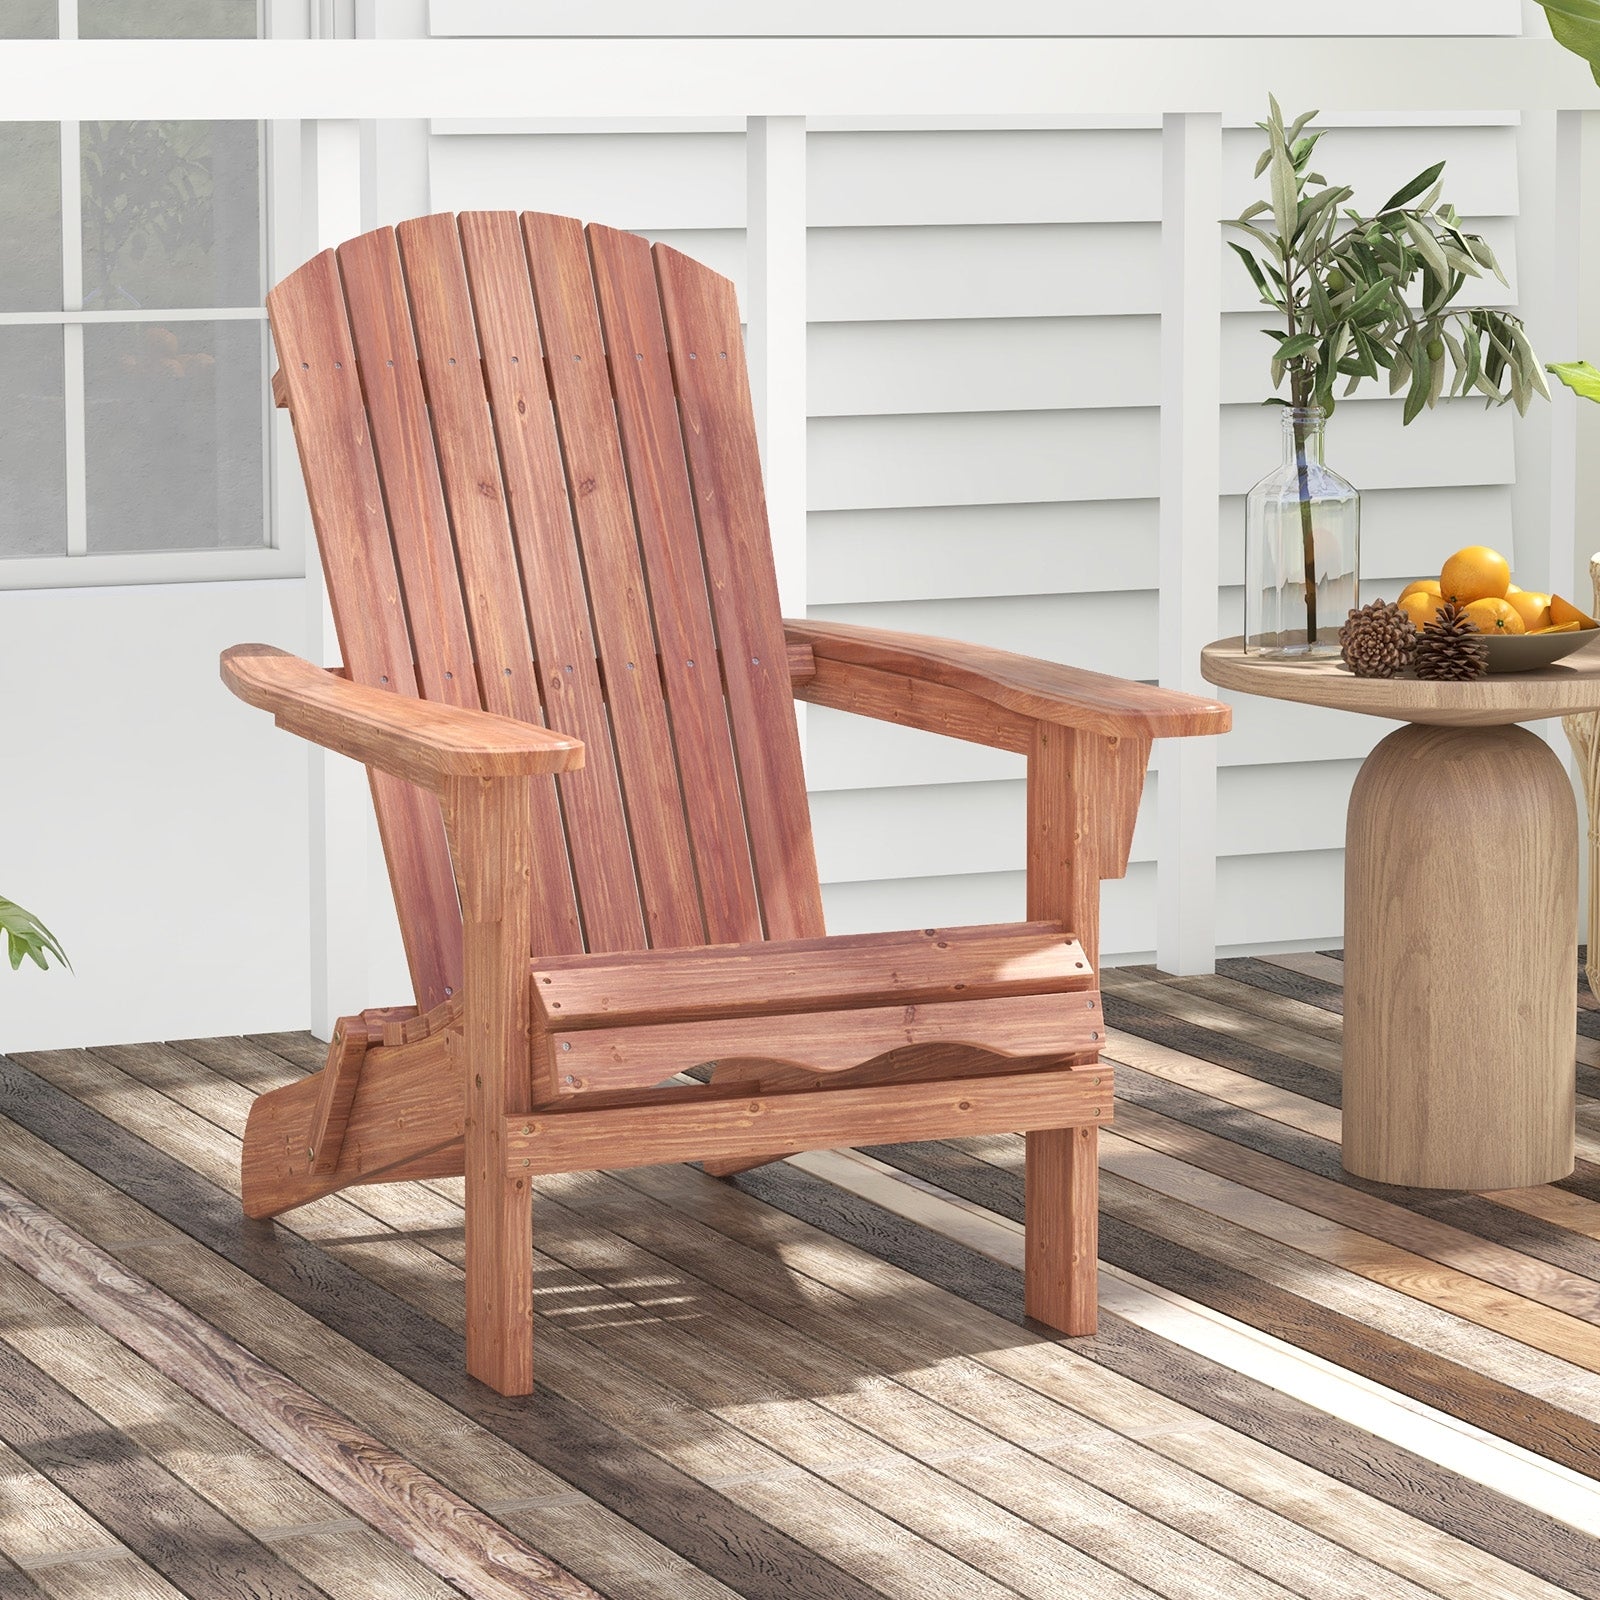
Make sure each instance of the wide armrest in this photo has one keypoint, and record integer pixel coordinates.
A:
(1042, 691)
(424, 743)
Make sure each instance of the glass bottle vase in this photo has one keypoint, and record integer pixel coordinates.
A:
(1302, 549)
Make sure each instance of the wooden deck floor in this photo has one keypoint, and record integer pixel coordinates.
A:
(814, 1382)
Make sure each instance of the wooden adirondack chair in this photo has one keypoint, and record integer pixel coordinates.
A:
(532, 468)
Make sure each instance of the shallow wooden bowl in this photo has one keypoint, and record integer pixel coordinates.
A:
(1522, 652)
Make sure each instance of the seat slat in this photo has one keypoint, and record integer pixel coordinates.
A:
(552, 582)
(619, 599)
(703, 335)
(797, 975)
(452, 376)
(309, 326)
(652, 443)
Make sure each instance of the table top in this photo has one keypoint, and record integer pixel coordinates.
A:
(1569, 685)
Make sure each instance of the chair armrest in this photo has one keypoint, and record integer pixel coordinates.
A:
(424, 743)
(1041, 691)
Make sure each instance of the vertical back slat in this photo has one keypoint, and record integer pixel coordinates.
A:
(580, 387)
(704, 338)
(452, 376)
(402, 439)
(322, 383)
(652, 443)
(552, 577)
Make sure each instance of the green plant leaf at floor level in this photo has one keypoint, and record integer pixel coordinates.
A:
(1579, 376)
(26, 935)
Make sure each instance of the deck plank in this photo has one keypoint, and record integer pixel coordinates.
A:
(815, 1383)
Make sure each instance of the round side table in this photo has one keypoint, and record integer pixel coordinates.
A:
(1461, 910)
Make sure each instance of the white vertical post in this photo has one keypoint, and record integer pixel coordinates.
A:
(74, 395)
(1575, 425)
(341, 809)
(1191, 440)
(775, 317)
(395, 149)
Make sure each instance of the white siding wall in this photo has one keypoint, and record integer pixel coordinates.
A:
(982, 382)
(984, 323)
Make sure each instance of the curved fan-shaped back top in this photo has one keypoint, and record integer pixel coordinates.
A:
(532, 467)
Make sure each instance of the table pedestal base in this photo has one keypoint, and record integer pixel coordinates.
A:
(1461, 908)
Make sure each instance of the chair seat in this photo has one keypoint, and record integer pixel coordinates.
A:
(619, 1021)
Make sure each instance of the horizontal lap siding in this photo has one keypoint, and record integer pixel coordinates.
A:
(983, 378)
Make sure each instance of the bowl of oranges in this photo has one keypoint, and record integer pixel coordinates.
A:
(1524, 628)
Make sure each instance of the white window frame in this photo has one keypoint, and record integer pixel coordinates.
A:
(282, 553)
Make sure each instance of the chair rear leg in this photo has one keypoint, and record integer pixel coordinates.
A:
(1061, 1217)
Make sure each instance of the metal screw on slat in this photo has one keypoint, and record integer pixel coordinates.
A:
(1089, 1004)
(565, 1044)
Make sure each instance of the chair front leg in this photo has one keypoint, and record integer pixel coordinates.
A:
(490, 822)
(1083, 798)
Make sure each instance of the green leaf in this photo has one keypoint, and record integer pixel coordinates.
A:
(1576, 24)
(1427, 247)
(1297, 127)
(1254, 268)
(1421, 381)
(26, 935)
(1379, 293)
(1527, 362)
(1296, 346)
(1458, 358)
(1285, 186)
(1579, 376)
(1418, 185)
(1484, 255)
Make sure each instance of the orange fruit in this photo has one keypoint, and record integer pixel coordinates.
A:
(1475, 573)
(1422, 586)
(1514, 588)
(1421, 607)
(1495, 615)
(1558, 627)
(1531, 606)
(1564, 611)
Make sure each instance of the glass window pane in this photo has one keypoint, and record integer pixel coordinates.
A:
(167, 19)
(176, 435)
(171, 214)
(28, 19)
(30, 216)
(33, 443)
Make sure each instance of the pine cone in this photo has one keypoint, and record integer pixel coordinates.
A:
(1450, 648)
(1377, 640)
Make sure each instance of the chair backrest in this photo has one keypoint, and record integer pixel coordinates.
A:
(532, 467)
